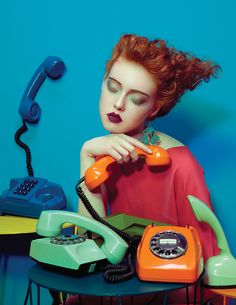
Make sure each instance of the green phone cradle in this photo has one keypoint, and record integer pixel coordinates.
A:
(221, 269)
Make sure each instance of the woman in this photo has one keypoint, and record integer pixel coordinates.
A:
(144, 80)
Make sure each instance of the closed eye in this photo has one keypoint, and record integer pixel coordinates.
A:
(113, 86)
(137, 99)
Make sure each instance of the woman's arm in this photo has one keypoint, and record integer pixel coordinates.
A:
(95, 198)
(121, 147)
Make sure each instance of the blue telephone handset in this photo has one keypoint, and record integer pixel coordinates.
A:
(72, 251)
(29, 109)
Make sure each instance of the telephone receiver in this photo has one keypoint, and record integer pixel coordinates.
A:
(52, 67)
(221, 268)
(50, 224)
(98, 173)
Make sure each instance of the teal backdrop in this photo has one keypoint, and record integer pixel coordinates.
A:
(83, 33)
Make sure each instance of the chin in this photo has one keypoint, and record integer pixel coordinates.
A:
(112, 128)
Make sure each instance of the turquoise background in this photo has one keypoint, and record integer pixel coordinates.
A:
(83, 34)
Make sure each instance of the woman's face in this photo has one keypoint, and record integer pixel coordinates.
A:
(127, 98)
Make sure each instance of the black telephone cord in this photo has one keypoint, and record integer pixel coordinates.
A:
(132, 240)
(26, 148)
(113, 272)
(120, 272)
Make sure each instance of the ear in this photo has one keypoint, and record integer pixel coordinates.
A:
(154, 110)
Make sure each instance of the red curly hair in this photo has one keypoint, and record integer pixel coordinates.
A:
(174, 71)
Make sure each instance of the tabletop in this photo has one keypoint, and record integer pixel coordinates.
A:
(82, 284)
(10, 224)
(227, 292)
(17, 225)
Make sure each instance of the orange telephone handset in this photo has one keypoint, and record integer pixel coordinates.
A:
(96, 174)
(169, 254)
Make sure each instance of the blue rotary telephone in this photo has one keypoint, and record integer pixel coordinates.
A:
(30, 195)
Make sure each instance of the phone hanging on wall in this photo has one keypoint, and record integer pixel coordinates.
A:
(30, 195)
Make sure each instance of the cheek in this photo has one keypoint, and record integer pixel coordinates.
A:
(139, 114)
(105, 99)
(141, 118)
(102, 102)
(135, 119)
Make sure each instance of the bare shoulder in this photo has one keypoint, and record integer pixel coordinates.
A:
(168, 141)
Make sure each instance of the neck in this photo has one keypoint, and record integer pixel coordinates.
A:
(135, 133)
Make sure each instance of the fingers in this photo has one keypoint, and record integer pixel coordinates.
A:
(116, 155)
(134, 156)
(126, 146)
(122, 154)
(127, 151)
(119, 146)
(137, 143)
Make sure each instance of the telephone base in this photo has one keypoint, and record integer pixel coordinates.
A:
(83, 269)
(29, 196)
(169, 254)
(80, 258)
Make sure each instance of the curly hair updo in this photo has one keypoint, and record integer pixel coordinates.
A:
(174, 71)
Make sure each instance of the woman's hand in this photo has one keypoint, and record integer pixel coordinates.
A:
(119, 146)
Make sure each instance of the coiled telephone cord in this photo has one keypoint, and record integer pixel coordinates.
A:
(26, 148)
(117, 272)
(120, 272)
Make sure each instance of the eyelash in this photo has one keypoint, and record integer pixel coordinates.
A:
(111, 88)
(137, 101)
(115, 90)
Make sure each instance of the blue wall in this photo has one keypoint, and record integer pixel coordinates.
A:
(83, 33)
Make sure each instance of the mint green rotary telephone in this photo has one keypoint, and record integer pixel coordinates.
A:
(73, 251)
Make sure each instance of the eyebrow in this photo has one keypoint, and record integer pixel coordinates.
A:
(131, 90)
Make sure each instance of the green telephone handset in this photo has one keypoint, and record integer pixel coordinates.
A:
(72, 251)
(221, 268)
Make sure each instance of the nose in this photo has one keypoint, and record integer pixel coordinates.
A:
(120, 103)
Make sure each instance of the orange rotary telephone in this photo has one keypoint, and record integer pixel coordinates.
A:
(98, 172)
(169, 254)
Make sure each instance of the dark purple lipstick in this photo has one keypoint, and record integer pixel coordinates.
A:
(114, 118)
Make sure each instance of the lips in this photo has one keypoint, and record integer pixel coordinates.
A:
(114, 118)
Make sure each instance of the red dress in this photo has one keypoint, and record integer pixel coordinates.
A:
(161, 193)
